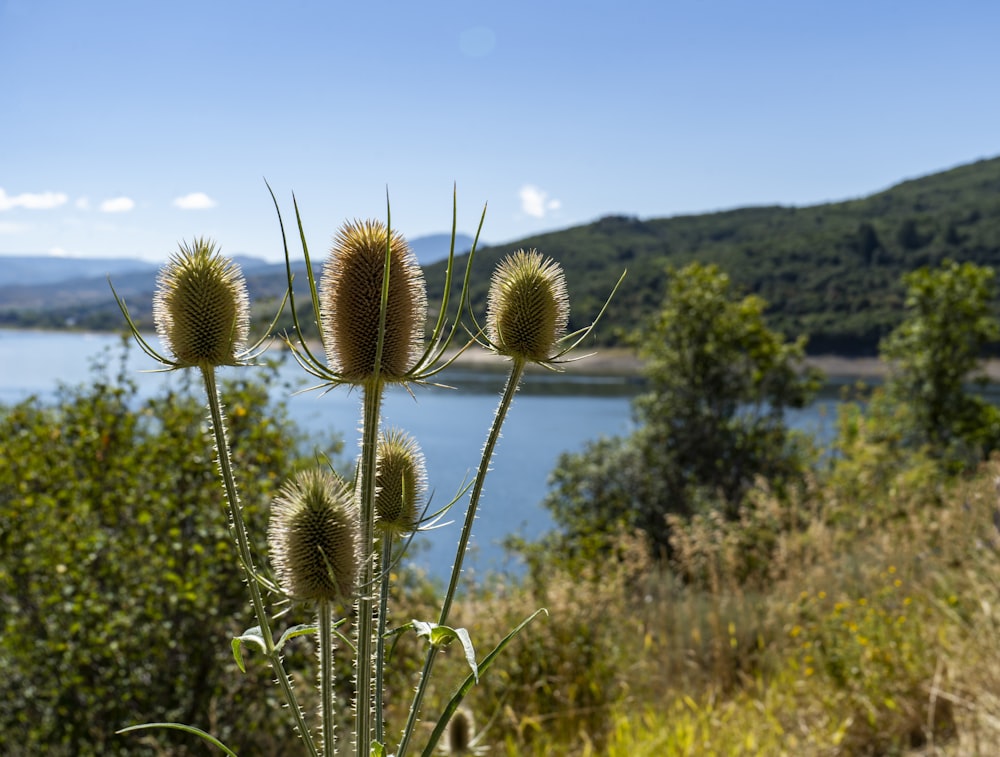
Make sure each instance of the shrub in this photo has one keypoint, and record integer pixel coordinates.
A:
(118, 594)
(711, 426)
(934, 353)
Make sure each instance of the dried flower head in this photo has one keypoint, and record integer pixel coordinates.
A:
(527, 308)
(461, 735)
(313, 536)
(400, 480)
(201, 308)
(351, 300)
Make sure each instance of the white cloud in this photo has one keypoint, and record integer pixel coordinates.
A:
(7, 227)
(31, 200)
(82, 203)
(117, 205)
(535, 202)
(195, 201)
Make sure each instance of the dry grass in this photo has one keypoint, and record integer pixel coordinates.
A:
(867, 633)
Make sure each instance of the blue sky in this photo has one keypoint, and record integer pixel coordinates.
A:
(127, 126)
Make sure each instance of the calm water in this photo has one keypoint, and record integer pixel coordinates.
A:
(552, 414)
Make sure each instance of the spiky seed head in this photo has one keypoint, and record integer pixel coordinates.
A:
(351, 298)
(201, 308)
(527, 308)
(400, 480)
(313, 537)
(461, 732)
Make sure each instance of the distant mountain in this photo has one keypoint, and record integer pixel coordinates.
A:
(53, 292)
(434, 247)
(19, 270)
(30, 270)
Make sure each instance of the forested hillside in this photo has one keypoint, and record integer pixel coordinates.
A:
(831, 271)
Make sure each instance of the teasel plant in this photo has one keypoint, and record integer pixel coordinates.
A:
(371, 307)
(313, 538)
(400, 487)
(201, 311)
(527, 313)
(461, 739)
(371, 337)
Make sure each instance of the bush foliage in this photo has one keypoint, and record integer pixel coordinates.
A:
(935, 354)
(118, 593)
(710, 426)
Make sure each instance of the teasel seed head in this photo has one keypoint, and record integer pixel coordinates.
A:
(527, 308)
(400, 480)
(351, 298)
(313, 537)
(461, 734)
(201, 308)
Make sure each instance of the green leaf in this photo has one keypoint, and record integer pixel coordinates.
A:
(302, 629)
(187, 729)
(459, 695)
(378, 750)
(250, 636)
(442, 636)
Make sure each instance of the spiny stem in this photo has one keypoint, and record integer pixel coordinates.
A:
(411, 720)
(246, 556)
(380, 637)
(367, 605)
(510, 389)
(325, 623)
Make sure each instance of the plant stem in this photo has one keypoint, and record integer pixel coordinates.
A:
(325, 623)
(510, 389)
(246, 556)
(367, 605)
(380, 636)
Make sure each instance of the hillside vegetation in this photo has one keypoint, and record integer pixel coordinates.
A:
(715, 584)
(830, 271)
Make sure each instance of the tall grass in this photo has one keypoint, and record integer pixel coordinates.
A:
(866, 634)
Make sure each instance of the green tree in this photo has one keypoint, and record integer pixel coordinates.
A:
(867, 243)
(118, 592)
(909, 235)
(934, 354)
(709, 427)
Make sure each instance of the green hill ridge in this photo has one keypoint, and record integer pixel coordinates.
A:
(831, 271)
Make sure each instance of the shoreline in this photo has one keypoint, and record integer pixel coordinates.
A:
(622, 361)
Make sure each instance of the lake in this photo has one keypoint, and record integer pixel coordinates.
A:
(552, 414)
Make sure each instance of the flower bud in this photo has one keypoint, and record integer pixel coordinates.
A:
(351, 299)
(313, 536)
(400, 480)
(527, 308)
(201, 308)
